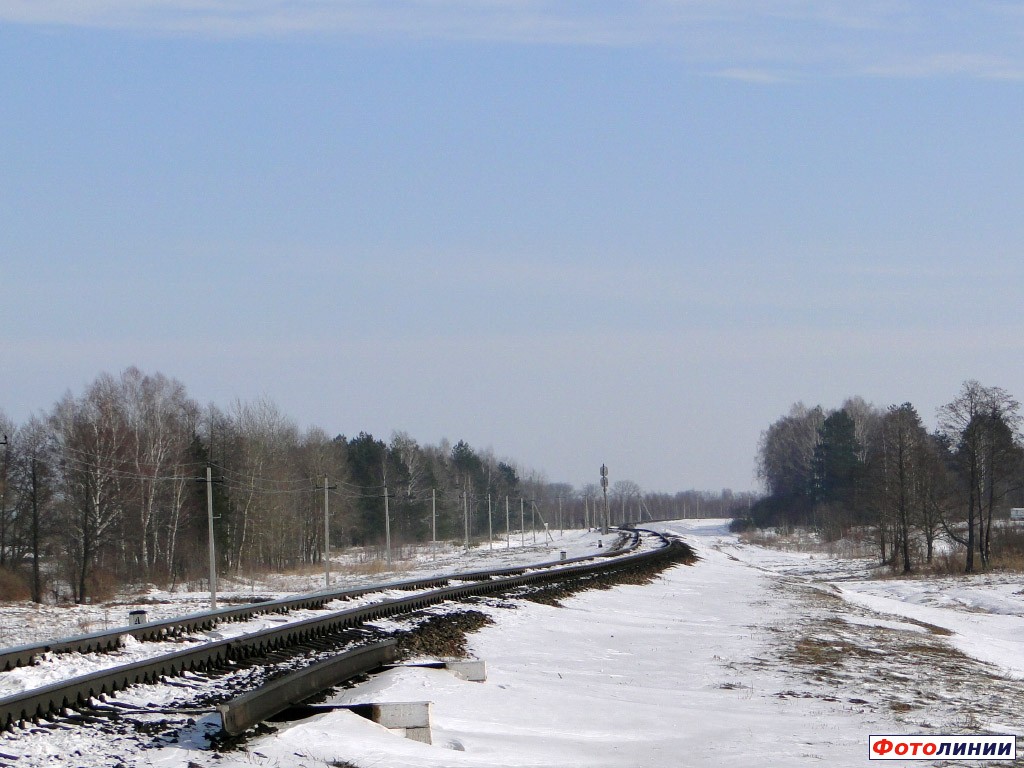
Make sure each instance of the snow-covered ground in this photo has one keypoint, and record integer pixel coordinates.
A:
(751, 657)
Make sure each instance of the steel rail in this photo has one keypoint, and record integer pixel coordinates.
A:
(110, 639)
(68, 694)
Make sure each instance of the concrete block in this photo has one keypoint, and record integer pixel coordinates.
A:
(402, 714)
(473, 670)
(421, 735)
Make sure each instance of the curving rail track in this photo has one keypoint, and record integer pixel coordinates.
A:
(58, 698)
(108, 640)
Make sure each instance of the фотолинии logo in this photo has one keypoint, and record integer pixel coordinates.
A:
(929, 747)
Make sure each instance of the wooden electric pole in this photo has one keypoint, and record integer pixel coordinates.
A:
(210, 545)
(327, 531)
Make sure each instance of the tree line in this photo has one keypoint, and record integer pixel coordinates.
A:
(883, 470)
(108, 487)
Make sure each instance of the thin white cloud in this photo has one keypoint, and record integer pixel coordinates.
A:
(751, 75)
(955, 64)
(949, 273)
(753, 40)
(525, 21)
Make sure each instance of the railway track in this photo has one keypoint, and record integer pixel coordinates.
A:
(109, 640)
(211, 673)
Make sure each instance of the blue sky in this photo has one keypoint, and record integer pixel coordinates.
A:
(576, 232)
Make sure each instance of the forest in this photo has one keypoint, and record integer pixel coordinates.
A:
(915, 490)
(109, 488)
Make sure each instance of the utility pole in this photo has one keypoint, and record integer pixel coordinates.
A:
(433, 522)
(522, 522)
(327, 532)
(465, 519)
(604, 490)
(37, 584)
(387, 525)
(533, 519)
(490, 528)
(209, 533)
(3, 502)
(561, 530)
(508, 530)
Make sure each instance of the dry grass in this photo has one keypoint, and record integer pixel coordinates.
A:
(942, 631)
(829, 651)
(1006, 557)
(916, 678)
(813, 651)
(1008, 561)
(945, 564)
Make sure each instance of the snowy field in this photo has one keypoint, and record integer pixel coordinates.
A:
(751, 657)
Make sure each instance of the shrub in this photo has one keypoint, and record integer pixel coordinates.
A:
(741, 524)
(1008, 548)
(101, 585)
(13, 586)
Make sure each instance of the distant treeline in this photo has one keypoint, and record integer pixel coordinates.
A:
(108, 487)
(882, 469)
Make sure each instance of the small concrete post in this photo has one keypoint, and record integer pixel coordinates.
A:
(137, 618)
